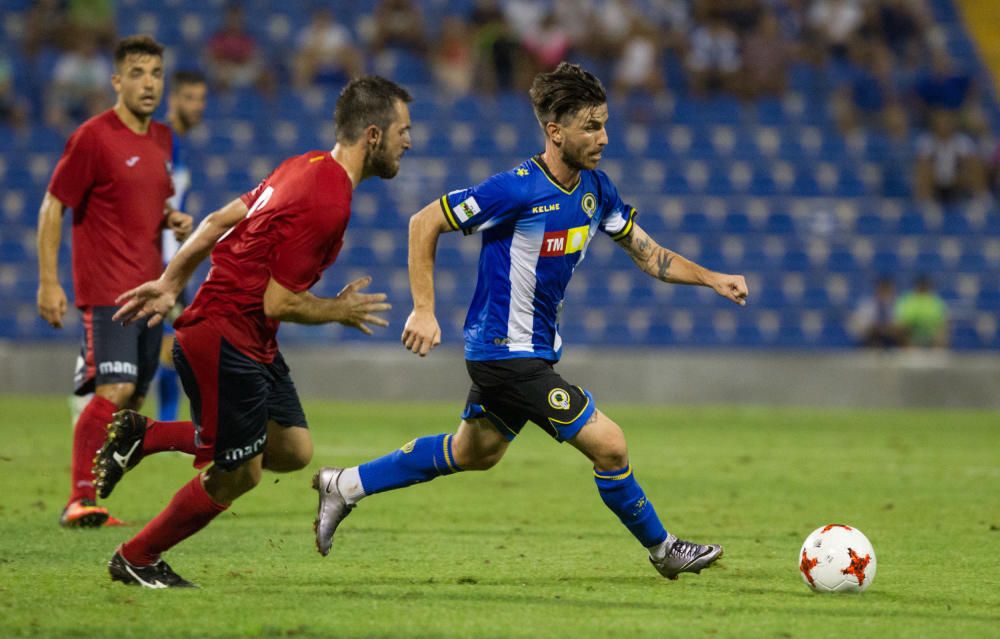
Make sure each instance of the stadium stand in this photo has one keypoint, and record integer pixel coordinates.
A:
(770, 188)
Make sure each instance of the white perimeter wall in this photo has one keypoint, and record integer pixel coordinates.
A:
(843, 379)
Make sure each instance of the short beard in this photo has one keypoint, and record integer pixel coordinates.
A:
(571, 161)
(379, 163)
(138, 112)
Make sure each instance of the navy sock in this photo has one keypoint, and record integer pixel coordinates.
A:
(168, 393)
(418, 461)
(625, 497)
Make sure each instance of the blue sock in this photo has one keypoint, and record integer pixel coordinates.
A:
(624, 496)
(168, 393)
(418, 461)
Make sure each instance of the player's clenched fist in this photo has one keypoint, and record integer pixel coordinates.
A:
(732, 287)
(421, 333)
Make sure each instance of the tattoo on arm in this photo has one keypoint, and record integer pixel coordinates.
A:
(663, 260)
(648, 255)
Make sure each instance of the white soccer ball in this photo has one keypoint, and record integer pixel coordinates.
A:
(837, 558)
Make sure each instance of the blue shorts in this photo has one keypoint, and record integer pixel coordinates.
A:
(509, 392)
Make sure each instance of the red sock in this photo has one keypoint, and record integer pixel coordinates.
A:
(88, 437)
(163, 436)
(189, 511)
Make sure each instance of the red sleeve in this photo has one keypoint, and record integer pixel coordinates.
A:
(76, 171)
(251, 196)
(298, 262)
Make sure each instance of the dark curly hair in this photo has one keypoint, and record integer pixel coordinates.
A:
(563, 92)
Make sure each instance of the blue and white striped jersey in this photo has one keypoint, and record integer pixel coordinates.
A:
(535, 232)
(180, 176)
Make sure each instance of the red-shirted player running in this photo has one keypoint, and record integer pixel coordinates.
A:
(115, 175)
(268, 248)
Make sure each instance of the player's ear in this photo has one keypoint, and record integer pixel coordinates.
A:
(372, 135)
(554, 131)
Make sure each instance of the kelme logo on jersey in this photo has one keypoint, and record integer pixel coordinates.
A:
(466, 209)
(564, 242)
(559, 399)
(589, 204)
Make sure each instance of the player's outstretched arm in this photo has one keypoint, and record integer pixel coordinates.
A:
(667, 266)
(350, 307)
(52, 302)
(422, 332)
(155, 299)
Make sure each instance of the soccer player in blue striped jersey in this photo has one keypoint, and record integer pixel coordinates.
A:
(185, 110)
(536, 222)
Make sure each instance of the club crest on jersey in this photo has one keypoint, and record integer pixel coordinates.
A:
(466, 209)
(589, 204)
(564, 242)
(559, 399)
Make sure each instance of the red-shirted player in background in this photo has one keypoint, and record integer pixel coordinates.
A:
(115, 175)
(268, 248)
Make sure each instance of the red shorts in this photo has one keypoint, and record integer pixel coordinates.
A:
(233, 397)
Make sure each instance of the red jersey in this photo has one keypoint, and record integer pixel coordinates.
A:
(116, 181)
(292, 232)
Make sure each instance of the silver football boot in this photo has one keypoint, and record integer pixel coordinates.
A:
(685, 556)
(332, 508)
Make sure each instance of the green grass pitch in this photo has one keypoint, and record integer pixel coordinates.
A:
(528, 549)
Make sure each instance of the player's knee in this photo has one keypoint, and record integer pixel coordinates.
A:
(288, 449)
(297, 459)
(481, 459)
(612, 458)
(224, 486)
(118, 394)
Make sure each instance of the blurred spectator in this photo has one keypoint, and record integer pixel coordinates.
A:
(576, 17)
(326, 54)
(766, 57)
(496, 47)
(79, 87)
(13, 108)
(923, 316)
(904, 25)
(832, 24)
(234, 60)
(45, 26)
(713, 60)
(639, 67)
(994, 170)
(868, 95)
(453, 60)
(741, 15)
(948, 167)
(399, 24)
(873, 323)
(547, 46)
(942, 85)
(609, 29)
(96, 19)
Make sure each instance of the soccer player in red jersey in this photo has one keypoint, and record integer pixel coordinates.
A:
(268, 248)
(115, 175)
